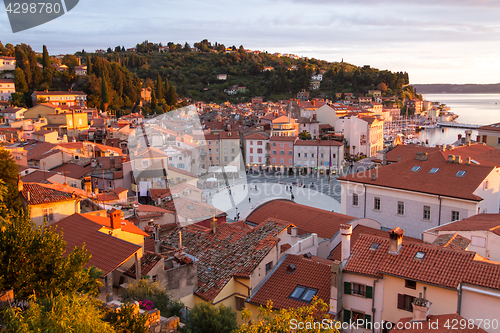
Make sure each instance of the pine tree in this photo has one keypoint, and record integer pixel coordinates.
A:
(104, 94)
(45, 58)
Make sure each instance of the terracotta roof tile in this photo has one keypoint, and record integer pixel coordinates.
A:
(278, 287)
(452, 241)
(359, 230)
(36, 193)
(108, 252)
(484, 222)
(444, 182)
(440, 266)
(148, 261)
(231, 251)
(308, 219)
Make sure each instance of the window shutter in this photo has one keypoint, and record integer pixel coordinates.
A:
(347, 316)
(368, 319)
(401, 301)
(369, 292)
(347, 288)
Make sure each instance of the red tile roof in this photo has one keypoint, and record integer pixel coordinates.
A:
(150, 153)
(493, 127)
(106, 222)
(359, 230)
(440, 266)
(481, 153)
(309, 272)
(308, 219)
(231, 251)
(257, 136)
(484, 274)
(148, 261)
(452, 241)
(444, 182)
(484, 222)
(408, 152)
(73, 170)
(108, 252)
(36, 193)
(440, 321)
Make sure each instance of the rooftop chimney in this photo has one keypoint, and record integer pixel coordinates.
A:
(346, 232)
(157, 239)
(88, 185)
(213, 225)
(450, 158)
(180, 240)
(457, 159)
(294, 231)
(467, 160)
(421, 307)
(396, 240)
(116, 219)
(399, 158)
(421, 156)
(374, 176)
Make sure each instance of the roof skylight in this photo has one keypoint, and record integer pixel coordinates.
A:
(434, 170)
(420, 255)
(415, 168)
(460, 174)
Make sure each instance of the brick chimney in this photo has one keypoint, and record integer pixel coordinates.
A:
(88, 185)
(395, 240)
(115, 217)
(421, 307)
(346, 232)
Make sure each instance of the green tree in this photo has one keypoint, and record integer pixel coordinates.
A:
(206, 318)
(20, 81)
(159, 87)
(127, 321)
(281, 320)
(304, 135)
(146, 290)
(70, 60)
(58, 314)
(32, 261)
(104, 94)
(9, 172)
(46, 62)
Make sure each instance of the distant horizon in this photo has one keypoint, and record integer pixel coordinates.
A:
(433, 41)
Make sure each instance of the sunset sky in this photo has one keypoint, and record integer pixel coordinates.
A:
(435, 41)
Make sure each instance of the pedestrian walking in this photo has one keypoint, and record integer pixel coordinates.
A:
(243, 186)
(256, 187)
(249, 200)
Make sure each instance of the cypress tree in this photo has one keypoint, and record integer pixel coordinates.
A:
(104, 94)
(45, 58)
(159, 88)
(20, 81)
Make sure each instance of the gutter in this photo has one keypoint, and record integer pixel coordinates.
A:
(373, 304)
(364, 207)
(439, 218)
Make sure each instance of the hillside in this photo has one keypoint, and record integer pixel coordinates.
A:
(193, 71)
(458, 88)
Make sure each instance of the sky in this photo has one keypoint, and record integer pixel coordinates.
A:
(435, 41)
